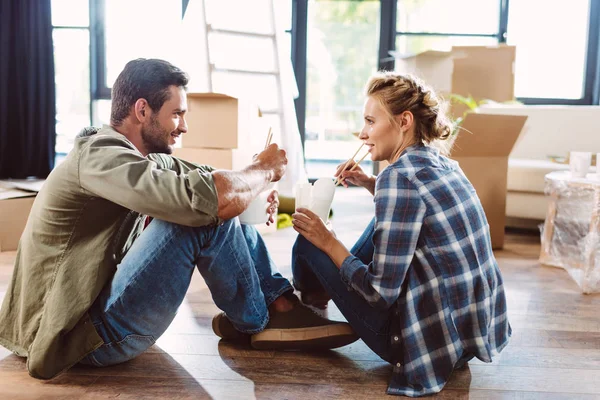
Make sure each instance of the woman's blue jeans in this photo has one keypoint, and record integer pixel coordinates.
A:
(141, 301)
(314, 271)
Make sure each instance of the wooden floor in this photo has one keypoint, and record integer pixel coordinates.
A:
(554, 352)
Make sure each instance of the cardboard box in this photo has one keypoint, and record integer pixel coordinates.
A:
(434, 67)
(233, 159)
(14, 211)
(482, 148)
(482, 72)
(217, 120)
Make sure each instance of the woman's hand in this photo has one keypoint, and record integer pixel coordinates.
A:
(273, 201)
(309, 225)
(356, 177)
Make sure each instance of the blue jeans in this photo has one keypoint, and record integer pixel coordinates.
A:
(141, 300)
(314, 271)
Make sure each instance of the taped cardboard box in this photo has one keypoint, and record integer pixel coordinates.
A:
(482, 72)
(15, 205)
(482, 148)
(216, 120)
(16, 199)
(232, 159)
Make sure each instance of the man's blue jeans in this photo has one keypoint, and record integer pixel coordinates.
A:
(314, 271)
(141, 301)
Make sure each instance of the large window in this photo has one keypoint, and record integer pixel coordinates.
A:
(154, 32)
(556, 42)
(439, 24)
(550, 65)
(342, 40)
(71, 36)
(335, 46)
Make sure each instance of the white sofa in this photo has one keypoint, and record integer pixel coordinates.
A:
(549, 131)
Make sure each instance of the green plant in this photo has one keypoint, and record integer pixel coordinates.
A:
(471, 106)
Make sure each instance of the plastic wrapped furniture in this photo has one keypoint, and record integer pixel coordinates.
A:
(570, 237)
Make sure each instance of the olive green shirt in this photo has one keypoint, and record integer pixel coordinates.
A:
(86, 216)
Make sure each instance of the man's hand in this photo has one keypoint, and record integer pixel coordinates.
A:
(273, 201)
(272, 159)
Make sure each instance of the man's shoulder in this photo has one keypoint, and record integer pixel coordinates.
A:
(104, 136)
(88, 131)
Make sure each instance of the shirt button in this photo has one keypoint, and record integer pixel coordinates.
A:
(396, 338)
(398, 365)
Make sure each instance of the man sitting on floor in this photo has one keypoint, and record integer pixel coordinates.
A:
(92, 286)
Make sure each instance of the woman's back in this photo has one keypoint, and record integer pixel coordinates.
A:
(451, 302)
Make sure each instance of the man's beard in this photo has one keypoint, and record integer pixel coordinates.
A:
(156, 138)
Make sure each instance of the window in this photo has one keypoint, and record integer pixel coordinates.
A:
(556, 57)
(549, 65)
(438, 25)
(342, 41)
(71, 36)
(334, 46)
(472, 17)
(140, 28)
(154, 32)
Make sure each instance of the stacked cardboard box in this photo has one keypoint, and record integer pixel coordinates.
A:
(16, 199)
(481, 72)
(483, 146)
(224, 132)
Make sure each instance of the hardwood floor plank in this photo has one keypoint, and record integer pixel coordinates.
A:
(556, 323)
(205, 345)
(546, 358)
(534, 338)
(19, 385)
(527, 379)
(577, 340)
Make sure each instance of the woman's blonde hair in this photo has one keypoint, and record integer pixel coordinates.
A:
(403, 92)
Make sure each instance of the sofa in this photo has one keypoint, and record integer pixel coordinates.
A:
(550, 131)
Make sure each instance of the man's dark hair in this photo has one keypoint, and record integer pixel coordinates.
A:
(144, 79)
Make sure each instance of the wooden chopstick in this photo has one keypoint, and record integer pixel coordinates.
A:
(351, 169)
(269, 137)
(338, 180)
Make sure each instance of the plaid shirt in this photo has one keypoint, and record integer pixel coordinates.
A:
(433, 263)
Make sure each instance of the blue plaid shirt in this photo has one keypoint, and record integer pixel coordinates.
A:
(433, 263)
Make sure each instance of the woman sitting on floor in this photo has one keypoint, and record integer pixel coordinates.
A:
(421, 286)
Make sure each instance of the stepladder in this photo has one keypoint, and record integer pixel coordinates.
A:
(242, 50)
